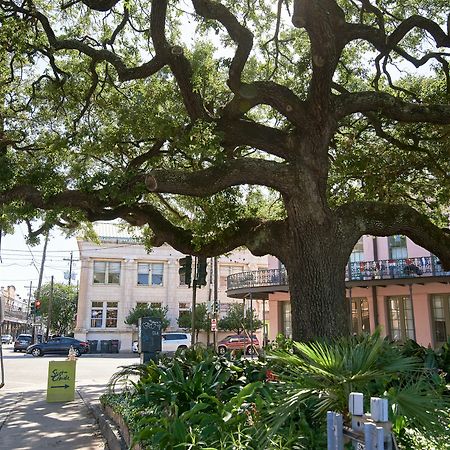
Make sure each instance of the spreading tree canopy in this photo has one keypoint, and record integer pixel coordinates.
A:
(238, 320)
(146, 310)
(289, 127)
(63, 305)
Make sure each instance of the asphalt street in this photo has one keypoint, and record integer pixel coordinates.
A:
(25, 372)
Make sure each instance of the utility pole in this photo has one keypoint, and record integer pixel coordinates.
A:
(29, 304)
(49, 312)
(251, 324)
(71, 261)
(215, 300)
(38, 290)
(210, 306)
(70, 267)
(194, 300)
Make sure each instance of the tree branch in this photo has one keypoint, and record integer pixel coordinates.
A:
(240, 35)
(244, 132)
(279, 97)
(382, 219)
(179, 64)
(256, 234)
(324, 22)
(125, 73)
(390, 107)
(207, 182)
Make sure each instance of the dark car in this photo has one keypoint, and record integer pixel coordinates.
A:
(59, 345)
(238, 342)
(22, 342)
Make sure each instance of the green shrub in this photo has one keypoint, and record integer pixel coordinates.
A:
(199, 400)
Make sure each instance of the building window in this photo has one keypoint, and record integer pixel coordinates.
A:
(150, 274)
(111, 314)
(397, 247)
(226, 270)
(97, 315)
(357, 254)
(360, 315)
(104, 314)
(286, 319)
(106, 272)
(440, 306)
(401, 318)
(183, 309)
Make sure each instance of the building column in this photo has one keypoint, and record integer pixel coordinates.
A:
(83, 309)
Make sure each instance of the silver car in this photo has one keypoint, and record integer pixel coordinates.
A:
(7, 339)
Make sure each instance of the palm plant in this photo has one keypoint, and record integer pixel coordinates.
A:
(318, 376)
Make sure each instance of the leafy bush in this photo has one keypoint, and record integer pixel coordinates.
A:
(318, 376)
(194, 400)
(198, 400)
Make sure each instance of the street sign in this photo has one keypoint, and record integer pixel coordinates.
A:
(61, 381)
(213, 324)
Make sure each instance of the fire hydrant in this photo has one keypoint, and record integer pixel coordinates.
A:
(72, 355)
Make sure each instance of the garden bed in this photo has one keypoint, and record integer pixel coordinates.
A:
(200, 400)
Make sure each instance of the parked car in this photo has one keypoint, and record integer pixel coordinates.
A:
(22, 342)
(59, 345)
(171, 342)
(7, 339)
(238, 342)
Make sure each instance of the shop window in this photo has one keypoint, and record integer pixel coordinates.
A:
(401, 318)
(360, 315)
(440, 307)
(106, 272)
(150, 274)
(397, 247)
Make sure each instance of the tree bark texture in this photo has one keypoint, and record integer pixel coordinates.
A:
(315, 259)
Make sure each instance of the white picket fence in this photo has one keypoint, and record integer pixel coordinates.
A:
(370, 431)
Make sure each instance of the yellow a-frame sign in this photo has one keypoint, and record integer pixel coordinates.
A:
(61, 381)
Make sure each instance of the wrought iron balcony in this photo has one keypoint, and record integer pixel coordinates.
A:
(385, 269)
(272, 280)
(248, 281)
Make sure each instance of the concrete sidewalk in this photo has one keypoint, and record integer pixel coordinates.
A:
(28, 422)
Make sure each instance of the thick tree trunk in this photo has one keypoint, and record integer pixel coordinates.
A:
(315, 259)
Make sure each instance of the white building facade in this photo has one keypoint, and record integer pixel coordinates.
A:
(118, 273)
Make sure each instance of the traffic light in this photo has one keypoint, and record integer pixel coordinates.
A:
(185, 269)
(37, 307)
(32, 308)
(201, 270)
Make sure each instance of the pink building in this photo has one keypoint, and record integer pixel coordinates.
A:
(391, 283)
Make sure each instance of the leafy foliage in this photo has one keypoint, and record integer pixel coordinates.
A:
(64, 307)
(201, 400)
(221, 124)
(145, 310)
(202, 322)
(195, 400)
(319, 376)
(238, 320)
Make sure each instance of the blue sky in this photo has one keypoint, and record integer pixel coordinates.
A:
(20, 262)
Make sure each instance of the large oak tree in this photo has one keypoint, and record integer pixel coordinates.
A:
(289, 127)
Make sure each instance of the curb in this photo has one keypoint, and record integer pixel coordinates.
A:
(107, 427)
